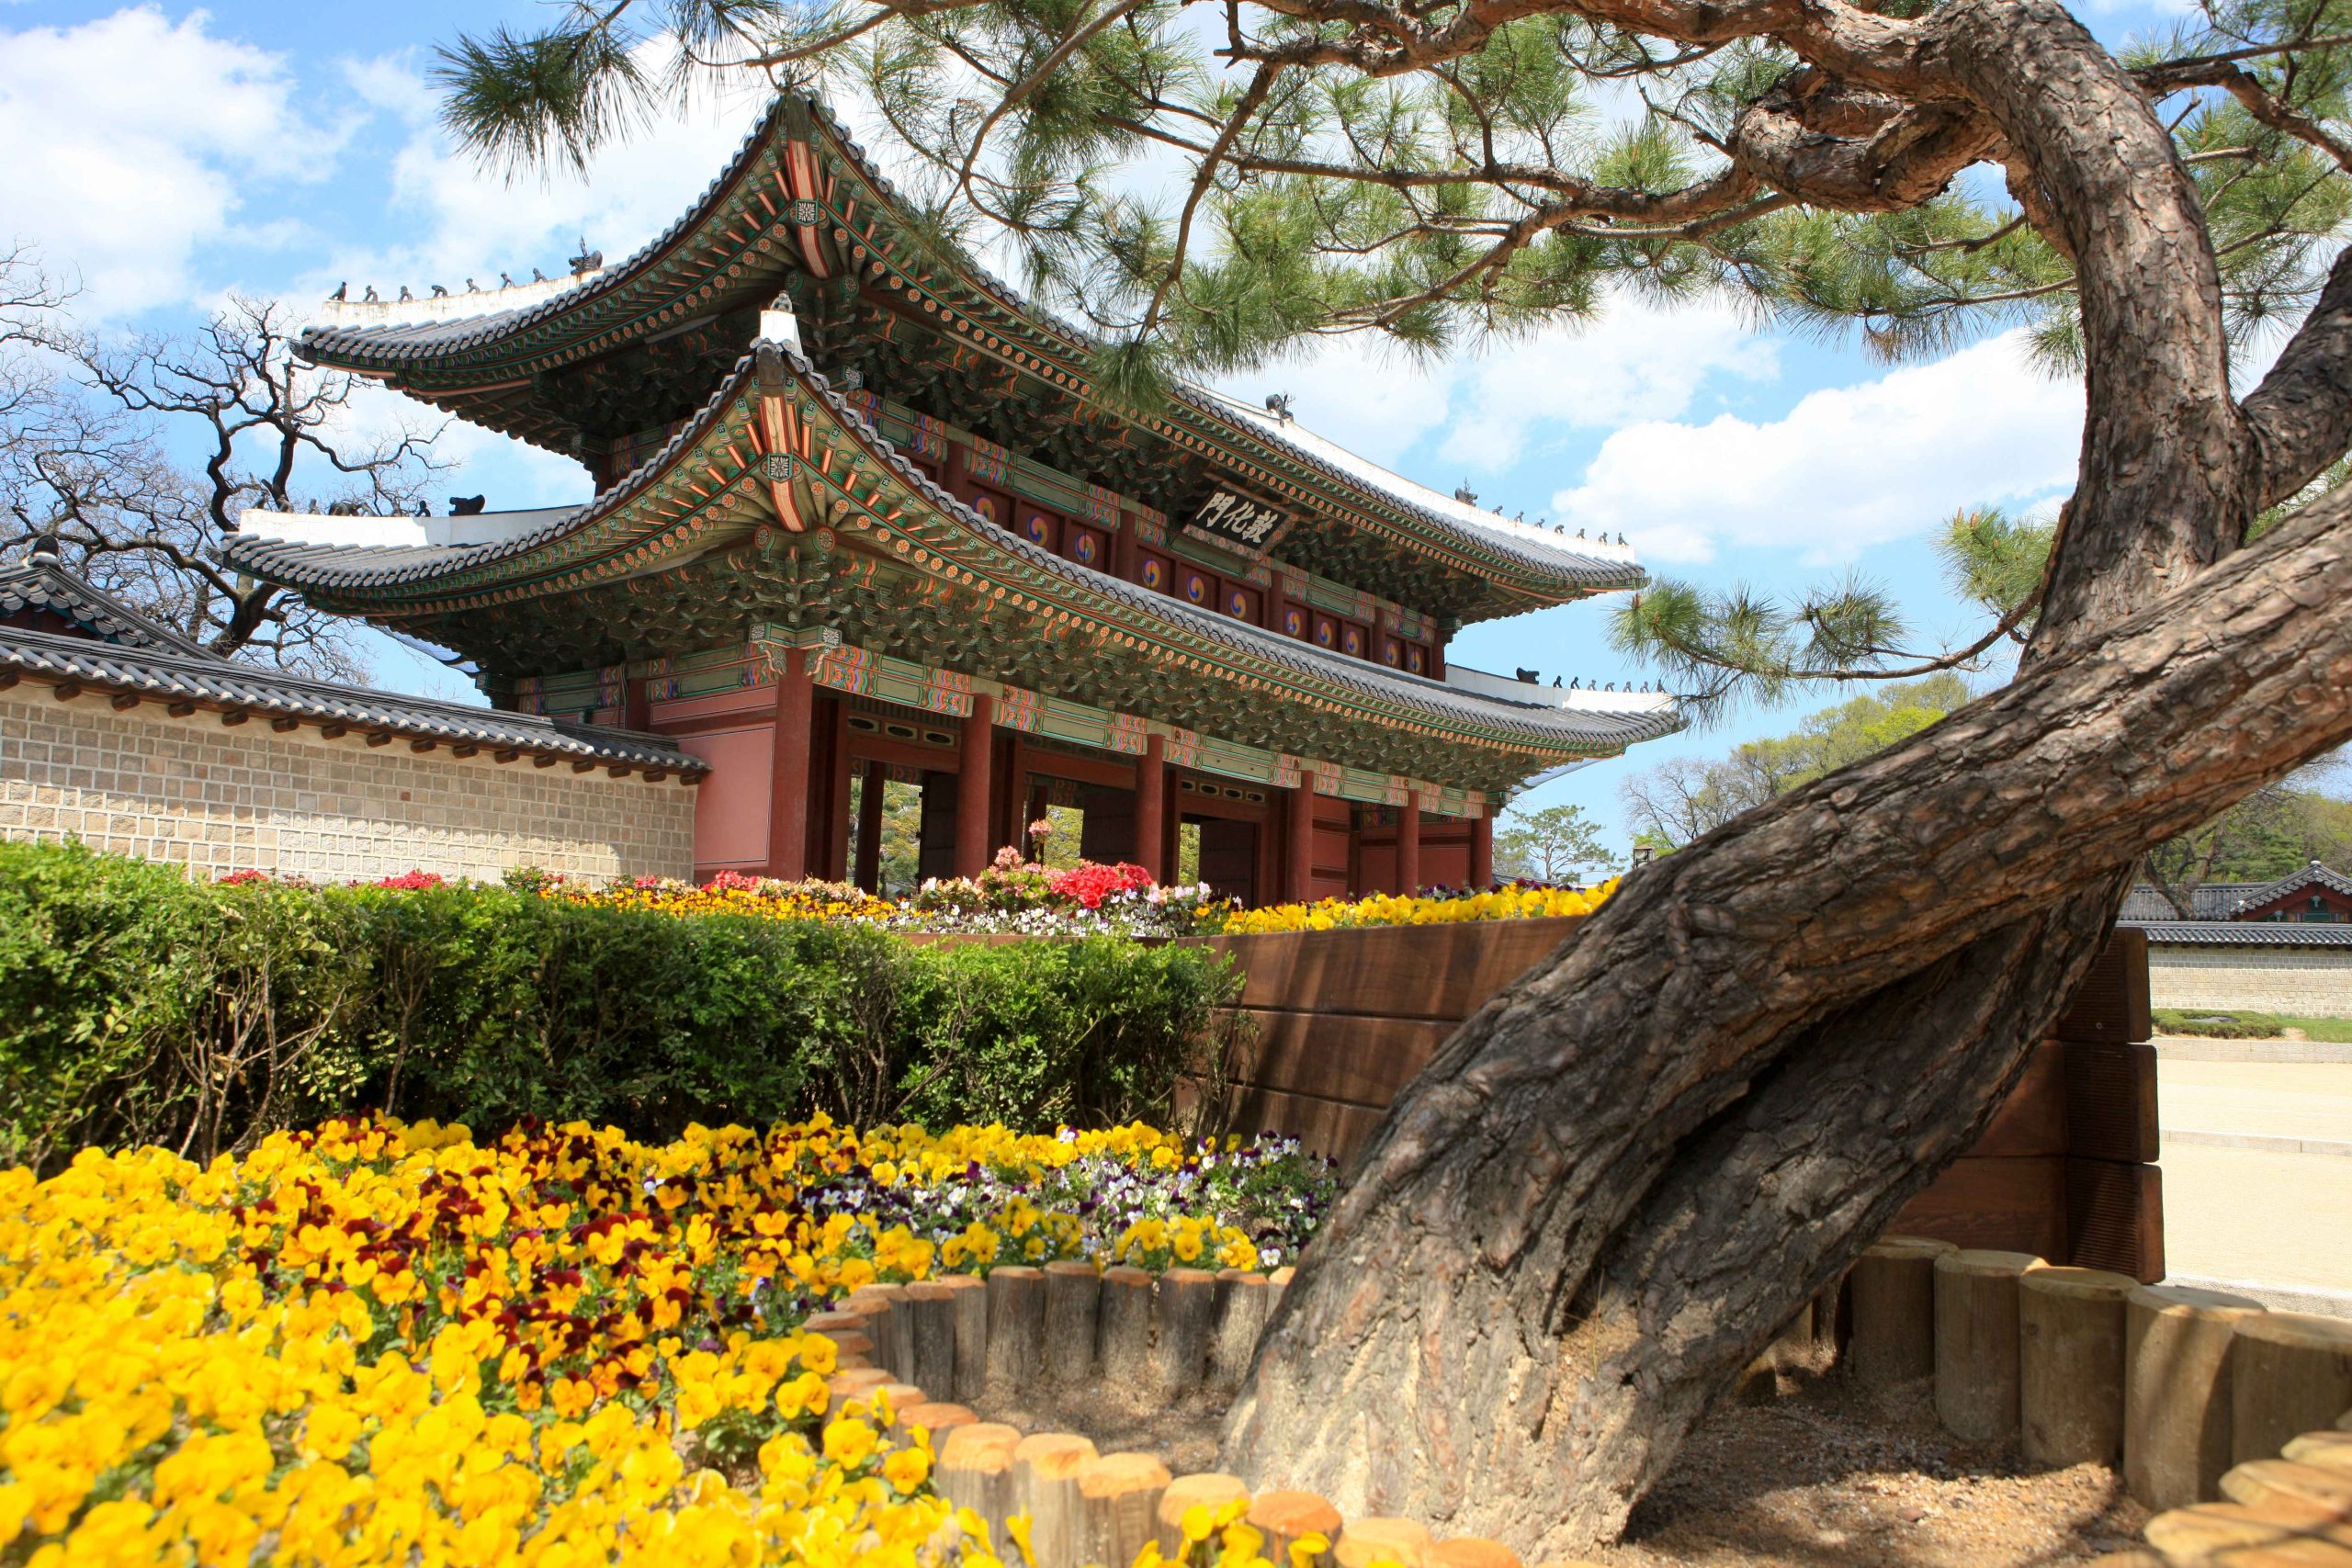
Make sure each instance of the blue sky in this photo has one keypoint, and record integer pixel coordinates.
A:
(165, 155)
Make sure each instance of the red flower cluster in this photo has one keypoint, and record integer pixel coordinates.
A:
(240, 879)
(412, 881)
(1090, 884)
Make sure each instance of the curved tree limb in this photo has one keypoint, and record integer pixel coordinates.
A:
(2301, 414)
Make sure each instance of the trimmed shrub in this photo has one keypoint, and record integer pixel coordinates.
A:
(139, 1007)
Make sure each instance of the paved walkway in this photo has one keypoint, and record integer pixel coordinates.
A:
(2257, 1161)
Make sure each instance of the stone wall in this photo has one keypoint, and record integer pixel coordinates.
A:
(215, 799)
(2315, 981)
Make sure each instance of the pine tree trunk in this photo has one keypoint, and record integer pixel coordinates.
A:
(1619, 1180)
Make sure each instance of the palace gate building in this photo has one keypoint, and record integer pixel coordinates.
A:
(860, 517)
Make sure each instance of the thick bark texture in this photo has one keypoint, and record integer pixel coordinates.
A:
(1620, 1178)
(1617, 1182)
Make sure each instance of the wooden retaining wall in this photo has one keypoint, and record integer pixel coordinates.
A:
(1345, 1019)
(2195, 1397)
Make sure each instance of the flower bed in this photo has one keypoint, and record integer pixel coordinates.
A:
(1022, 898)
(1513, 901)
(373, 1343)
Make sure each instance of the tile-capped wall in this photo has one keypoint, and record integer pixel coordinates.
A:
(217, 798)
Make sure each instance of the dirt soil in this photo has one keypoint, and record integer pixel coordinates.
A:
(1820, 1475)
(1811, 1475)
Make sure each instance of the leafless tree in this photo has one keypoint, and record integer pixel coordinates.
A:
(1681, 798)
(138, 457)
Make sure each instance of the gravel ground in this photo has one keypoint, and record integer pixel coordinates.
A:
(1812, 1476)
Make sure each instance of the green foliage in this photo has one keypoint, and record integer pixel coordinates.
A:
(141, 1007)
(1549, 845)
(1737, 645)
(1513, 174)
(901, 858)
(2216, 1024)
(2269, 833)
(1997, 562)
(1677, 800)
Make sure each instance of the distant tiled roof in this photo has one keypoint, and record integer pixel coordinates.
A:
(207, 679)
(2242, 934)
(41, 581)
(2223, 900)
(2312, 875)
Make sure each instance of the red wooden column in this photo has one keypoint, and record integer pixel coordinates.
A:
(1298, 841)
(1151, 808)
(1482, 852)
(830, 852)
(974, 766)
(1409, 844)
(869, 825)
(636, 702)
(788, 771)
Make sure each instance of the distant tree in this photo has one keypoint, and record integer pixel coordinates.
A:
(1683, 797)
(1058, 848)
(1655, 842)
(1549, 845)
(899, 860)
(139, 456)
(2273, 832)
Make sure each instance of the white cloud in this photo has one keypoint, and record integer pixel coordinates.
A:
(1358, 391)
(132, 140)
(466, 221)
(1640, 361)
(1846, 469)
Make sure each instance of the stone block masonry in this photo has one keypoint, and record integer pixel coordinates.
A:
(214, 798)
(2310, 981)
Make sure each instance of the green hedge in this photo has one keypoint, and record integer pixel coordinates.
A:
(139, 1005)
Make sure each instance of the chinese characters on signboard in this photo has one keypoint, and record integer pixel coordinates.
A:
(1239, 518)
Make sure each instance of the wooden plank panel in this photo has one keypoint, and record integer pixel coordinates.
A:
(1325, 1126)
(1367, 1061)
(2111, 1101)
(2033, 1120)
(2009, 1205)
(1430, 972)
(2111, 1008)
(2115, 1213)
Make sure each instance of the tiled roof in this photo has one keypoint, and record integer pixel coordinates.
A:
(2223, 900)
(307, 565)
(1595, 568)
(2242, 934)
(2312, 875)
(42, 582)
(208, 679)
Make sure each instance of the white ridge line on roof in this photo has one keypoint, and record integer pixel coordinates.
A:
(1369, 472)
(364, 315)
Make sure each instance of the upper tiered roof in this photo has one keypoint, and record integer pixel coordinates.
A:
(799, 211)
(780, 497)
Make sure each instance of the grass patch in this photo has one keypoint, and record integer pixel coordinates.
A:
(2214, 1023)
